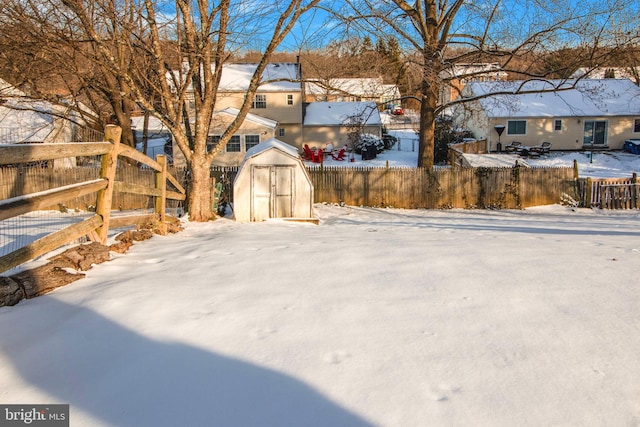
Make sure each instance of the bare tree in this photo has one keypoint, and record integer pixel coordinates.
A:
(438, 34)
(164, 55)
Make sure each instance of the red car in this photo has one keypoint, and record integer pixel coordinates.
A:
(397, 111)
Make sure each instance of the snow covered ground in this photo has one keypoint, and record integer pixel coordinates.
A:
(373, 317)
(604, 164)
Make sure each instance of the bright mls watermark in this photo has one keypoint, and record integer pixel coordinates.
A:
(34, 415)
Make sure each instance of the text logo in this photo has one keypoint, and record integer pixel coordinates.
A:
(34, 415)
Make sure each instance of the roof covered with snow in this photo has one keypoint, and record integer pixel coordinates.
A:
(277, 77)
(341, 113)
(7, 89)
(365, 87)
(272, 144)
(155, 125)
(588, 98)
(491, 71)
(26, 120)
(250, 117)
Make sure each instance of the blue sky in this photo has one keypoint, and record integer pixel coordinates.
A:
(516, 19)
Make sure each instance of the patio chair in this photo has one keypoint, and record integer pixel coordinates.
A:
(317, 156)
(543, 148)
(308, 154)
(341, 155)
(514, 147)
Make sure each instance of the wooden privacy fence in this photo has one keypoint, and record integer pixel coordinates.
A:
(104, 186)
(504, 188)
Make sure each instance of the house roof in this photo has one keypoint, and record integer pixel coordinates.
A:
(364, 87)
(589, 98)
(156, 125)
(475, 71)
(7, 89)
(276, 77)
(23, 119)
(251, 117)
(281, 77)
(340, 113)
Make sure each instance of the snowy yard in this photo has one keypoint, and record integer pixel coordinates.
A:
(604, 164)
(374, 317)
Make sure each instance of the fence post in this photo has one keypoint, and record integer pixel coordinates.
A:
(108, 168)
(589, 193)
(161, 184)
(635, 192)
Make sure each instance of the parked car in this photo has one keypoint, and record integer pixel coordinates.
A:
(397, 111)
(369, 140)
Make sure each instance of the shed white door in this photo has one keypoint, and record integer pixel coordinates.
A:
(272, 192)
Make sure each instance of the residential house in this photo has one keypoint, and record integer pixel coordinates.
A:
(335, 121)
(572, 115)
(457, 76)
(351, 90)
(279, 97)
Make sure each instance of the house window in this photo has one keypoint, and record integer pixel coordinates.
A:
(516, 127)
(289, 99)
(281, 132)
(259, 101)
(251, 141)
(234, 144)
(557, 125)
(212, 141)
(636, 126)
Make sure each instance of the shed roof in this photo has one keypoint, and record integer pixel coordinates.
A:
(269, 144)
(340, 113)
(582, 98)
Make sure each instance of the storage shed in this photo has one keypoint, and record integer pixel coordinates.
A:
(272, 182)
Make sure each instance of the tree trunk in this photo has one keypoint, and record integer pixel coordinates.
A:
(426, 146)
(199, 203)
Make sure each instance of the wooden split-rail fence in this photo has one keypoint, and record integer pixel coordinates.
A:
(104, 187)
